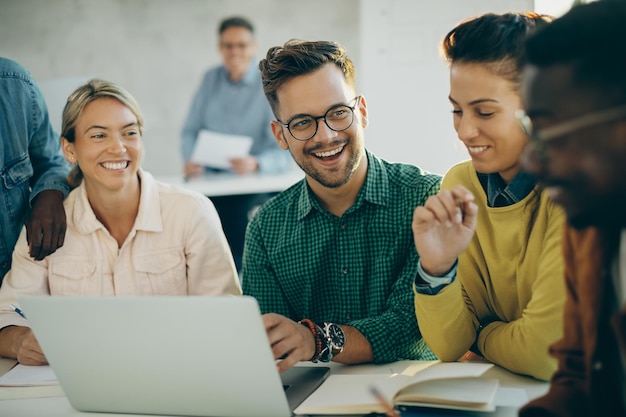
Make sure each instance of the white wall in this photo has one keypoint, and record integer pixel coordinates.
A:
(157, 49)
(405, 81)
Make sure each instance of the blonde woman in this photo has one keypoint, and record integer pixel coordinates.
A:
(127, 234)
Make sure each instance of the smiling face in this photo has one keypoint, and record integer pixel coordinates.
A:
(484, 106)
(107, 146)
(585, 170)
(237, 46)
(330, 159)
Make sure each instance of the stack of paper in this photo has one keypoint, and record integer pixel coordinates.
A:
(29, 382)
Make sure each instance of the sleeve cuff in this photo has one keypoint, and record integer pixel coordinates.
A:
(428, 284)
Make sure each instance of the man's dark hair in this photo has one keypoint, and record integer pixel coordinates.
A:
(297, 57)
(591, 39)
(235, 22)
(496, 40)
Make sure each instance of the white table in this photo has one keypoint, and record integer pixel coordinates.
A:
(58, 405)
(222, 184)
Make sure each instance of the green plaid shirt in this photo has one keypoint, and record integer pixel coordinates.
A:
(303, 262)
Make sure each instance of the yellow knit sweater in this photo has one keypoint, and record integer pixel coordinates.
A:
(508, 280)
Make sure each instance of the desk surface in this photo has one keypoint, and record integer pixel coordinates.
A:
(222, 184)
(57, 405)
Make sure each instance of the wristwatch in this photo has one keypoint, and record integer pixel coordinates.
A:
(334, 339)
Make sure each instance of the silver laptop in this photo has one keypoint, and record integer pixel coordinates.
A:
(188, 356)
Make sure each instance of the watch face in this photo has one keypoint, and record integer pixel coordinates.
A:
(336, 335)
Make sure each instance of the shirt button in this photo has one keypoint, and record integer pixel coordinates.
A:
(4, 265)
(345, 271)
(343, 227)
(597, 366)
(348, 316)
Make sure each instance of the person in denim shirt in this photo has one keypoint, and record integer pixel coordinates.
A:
(32, 169)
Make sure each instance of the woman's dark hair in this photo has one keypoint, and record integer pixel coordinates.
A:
(496, 40)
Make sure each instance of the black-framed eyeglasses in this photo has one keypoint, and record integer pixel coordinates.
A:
(540, 138)
(337, 118)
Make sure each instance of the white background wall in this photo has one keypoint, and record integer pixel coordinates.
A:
(159, 49)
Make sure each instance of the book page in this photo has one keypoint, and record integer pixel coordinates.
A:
(458, 393)
(450, 385)
(214, 149)
(27, 376)
(351, 394)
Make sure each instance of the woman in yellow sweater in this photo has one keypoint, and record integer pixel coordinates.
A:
(490, 283)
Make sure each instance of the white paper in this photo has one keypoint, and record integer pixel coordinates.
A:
(25, 376)
(214, 149)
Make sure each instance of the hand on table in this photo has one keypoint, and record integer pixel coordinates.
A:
(244, 165)
(28, 350)
(288, 339)
(193, 170)
(470, 356)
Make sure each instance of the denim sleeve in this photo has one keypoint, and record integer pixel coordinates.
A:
(50, 168)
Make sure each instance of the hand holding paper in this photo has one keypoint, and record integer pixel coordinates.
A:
(216, 149)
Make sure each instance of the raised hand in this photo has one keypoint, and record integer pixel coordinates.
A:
(443, 227)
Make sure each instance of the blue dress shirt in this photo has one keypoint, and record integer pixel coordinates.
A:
(239, 108)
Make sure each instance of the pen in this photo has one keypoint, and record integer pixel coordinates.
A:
(387, 407)
(17, 310)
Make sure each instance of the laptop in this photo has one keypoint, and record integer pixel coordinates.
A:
(187, 356)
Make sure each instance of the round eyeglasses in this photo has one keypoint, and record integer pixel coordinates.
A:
(337, 118)
(541, 138)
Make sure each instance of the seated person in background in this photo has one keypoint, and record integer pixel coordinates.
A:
(574, 90)
(32, 169)
(127, 234)
(230, 100)
(331, 260)
(504, 298)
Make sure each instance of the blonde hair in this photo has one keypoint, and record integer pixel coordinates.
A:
(76, 103)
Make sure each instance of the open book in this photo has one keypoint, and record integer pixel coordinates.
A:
(452, 385)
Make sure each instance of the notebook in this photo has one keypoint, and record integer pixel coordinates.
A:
(188, 356)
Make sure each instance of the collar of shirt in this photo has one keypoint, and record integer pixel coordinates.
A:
(148, 215)
(249, 78)
(500, 194)
(375, 190)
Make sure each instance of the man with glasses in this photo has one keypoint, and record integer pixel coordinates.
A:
(331, 260)
(575, 100)
(230, 100)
